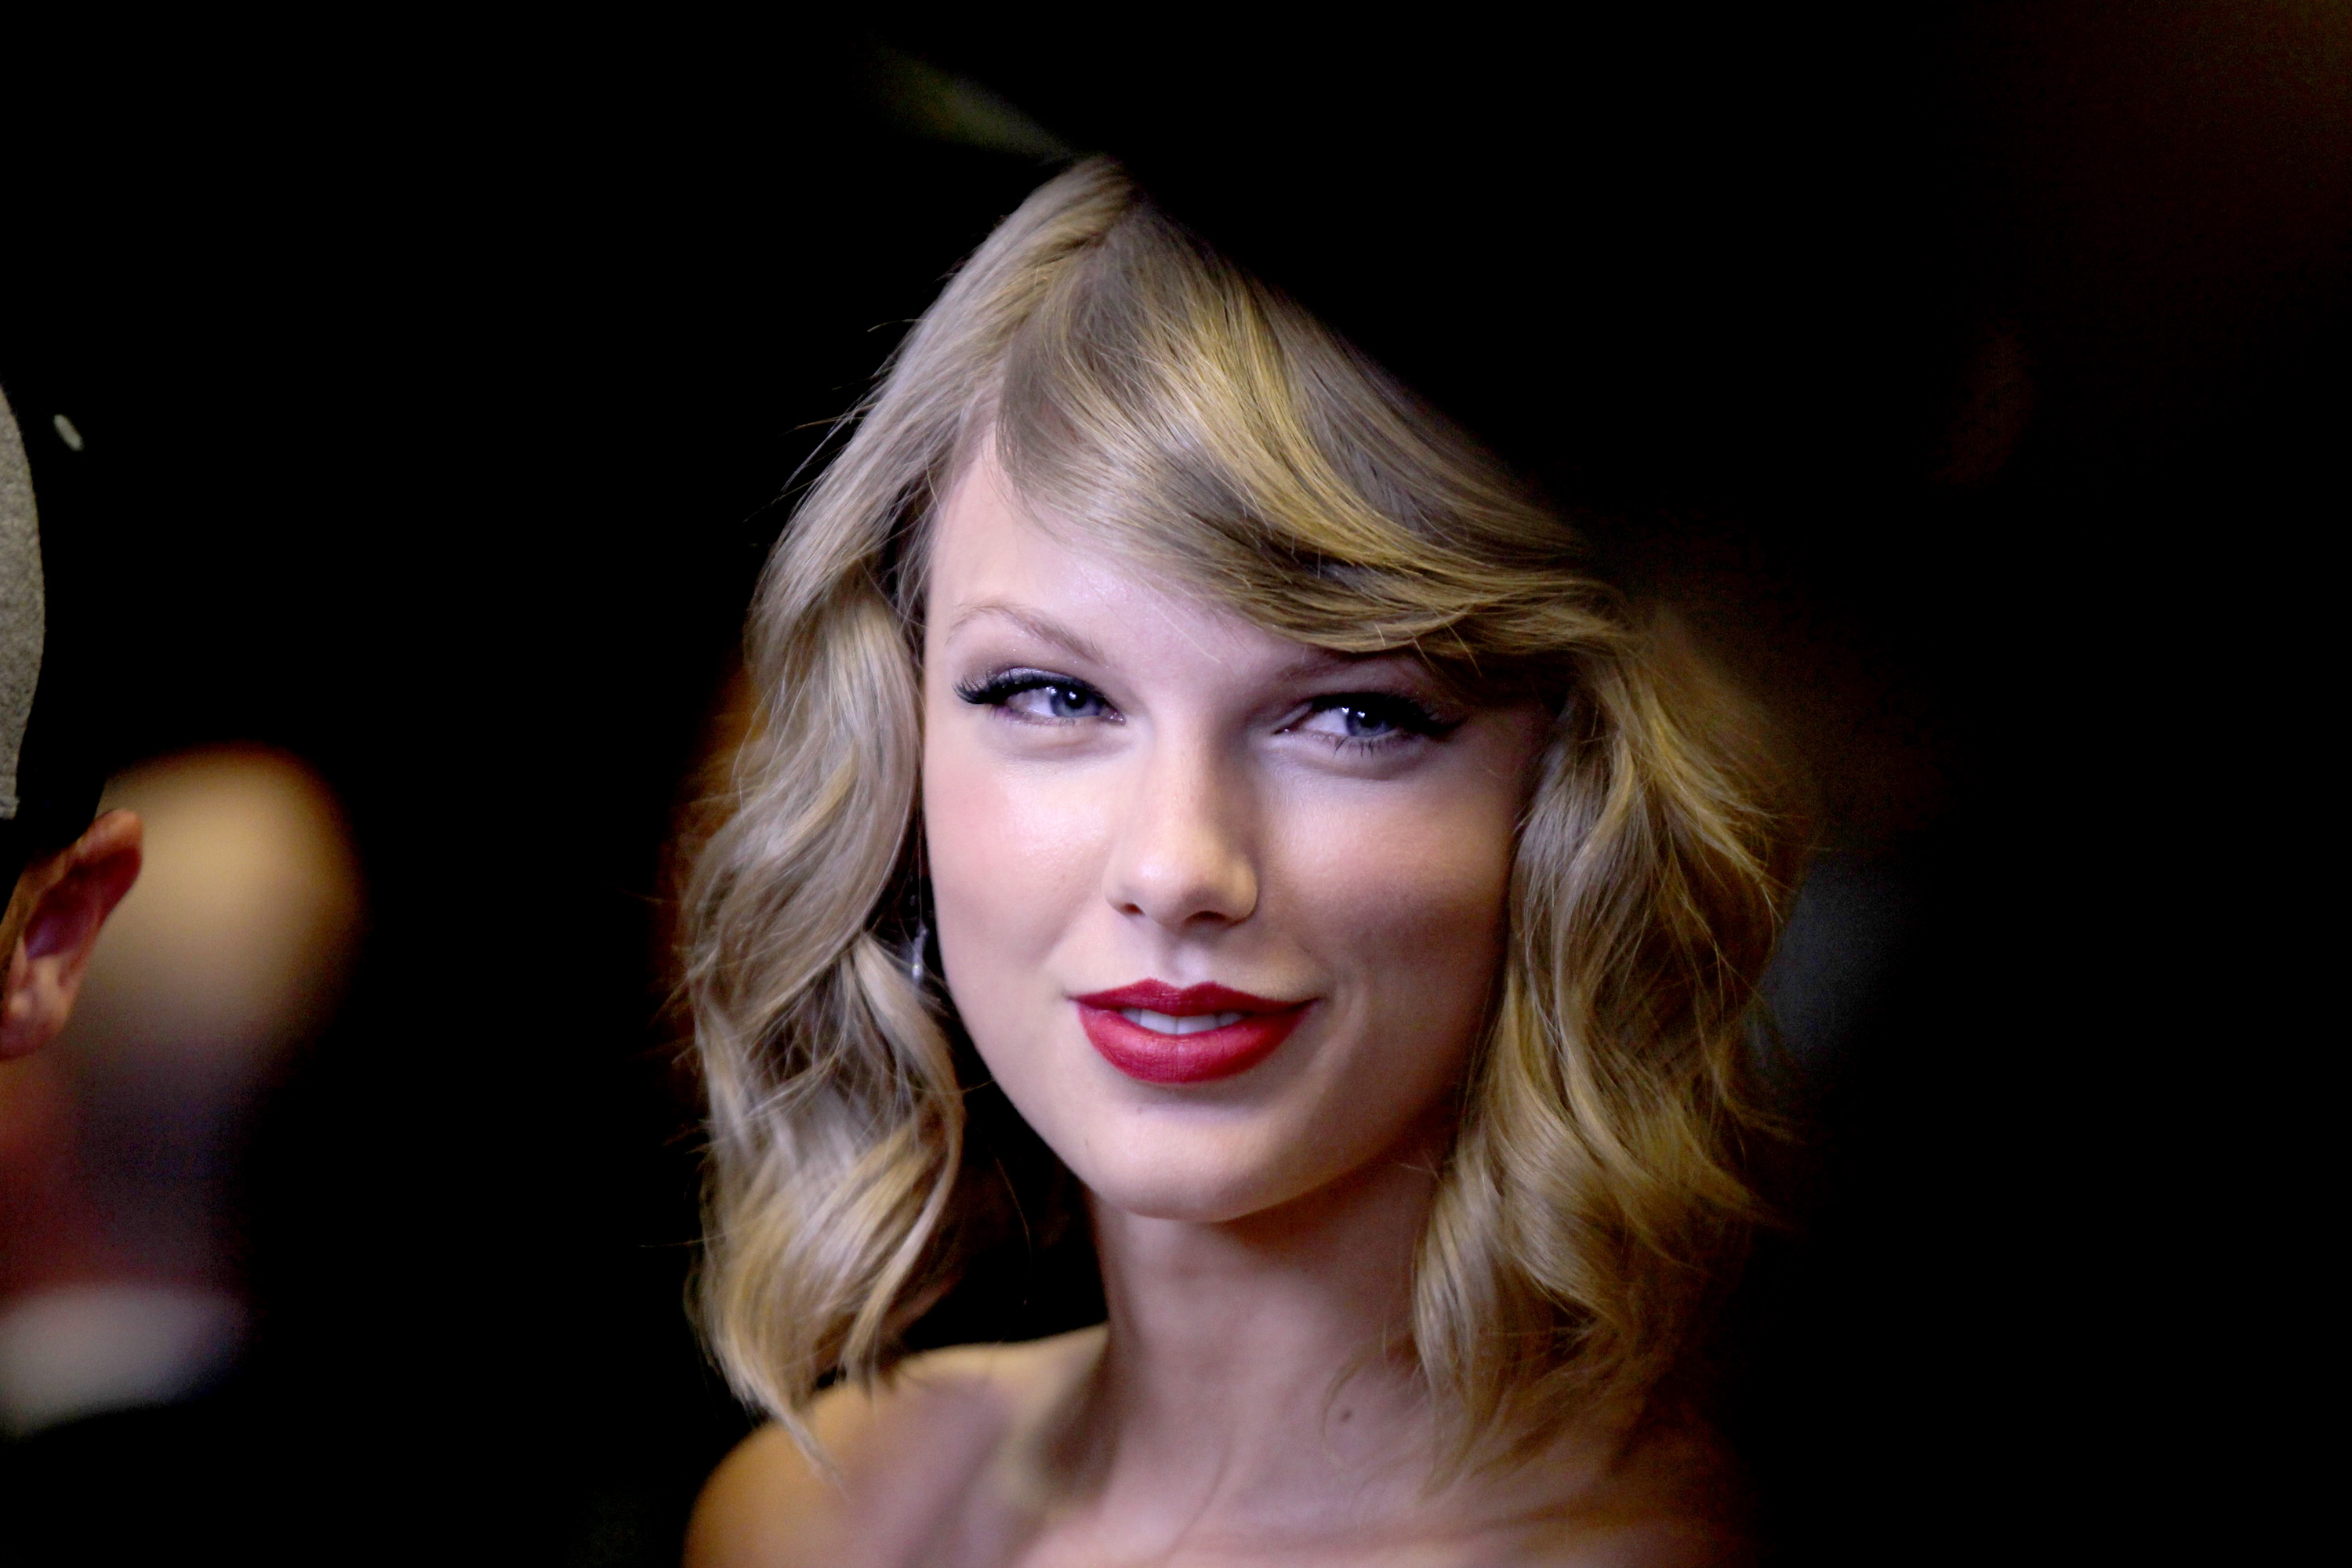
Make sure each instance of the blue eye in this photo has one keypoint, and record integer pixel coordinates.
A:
(1058, 701)
(1358, 722)
(1366, 719)
(1035, 694)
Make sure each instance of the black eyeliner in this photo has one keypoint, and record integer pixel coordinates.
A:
(1005, 684)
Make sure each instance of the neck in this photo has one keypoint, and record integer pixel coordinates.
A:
(1254, 1360)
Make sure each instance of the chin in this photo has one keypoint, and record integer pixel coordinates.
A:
(1207, 1203)
(1191, 1179)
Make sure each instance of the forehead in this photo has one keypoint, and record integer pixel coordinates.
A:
(988, 547)
(996, 568)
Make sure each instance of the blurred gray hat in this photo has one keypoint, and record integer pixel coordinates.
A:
(23, 616)
(49, 779)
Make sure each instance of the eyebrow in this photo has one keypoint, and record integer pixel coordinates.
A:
(1310, 662)
(1042, 628)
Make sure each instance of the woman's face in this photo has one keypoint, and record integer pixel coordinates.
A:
(1220, 911)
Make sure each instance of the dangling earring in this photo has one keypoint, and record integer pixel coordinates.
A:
(918, 969)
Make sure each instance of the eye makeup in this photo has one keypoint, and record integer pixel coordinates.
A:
(1038, 695)
(1365, 721)
(1360, 721)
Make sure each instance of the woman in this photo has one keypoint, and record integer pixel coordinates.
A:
(1170, 725)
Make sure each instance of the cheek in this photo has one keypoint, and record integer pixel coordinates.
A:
(1410, 906)
(1012, 856)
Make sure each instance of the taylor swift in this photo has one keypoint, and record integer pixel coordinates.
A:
(1167, 721)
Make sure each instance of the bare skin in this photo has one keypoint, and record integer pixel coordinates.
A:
(54, 915)
(1177, 794)
(981, 1455)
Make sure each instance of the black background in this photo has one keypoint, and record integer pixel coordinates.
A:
(445, 375)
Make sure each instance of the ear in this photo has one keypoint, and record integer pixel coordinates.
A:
(54, 919)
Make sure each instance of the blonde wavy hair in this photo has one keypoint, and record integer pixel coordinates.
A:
(1138, 386)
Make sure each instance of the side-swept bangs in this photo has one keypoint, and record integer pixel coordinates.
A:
(1165, 401)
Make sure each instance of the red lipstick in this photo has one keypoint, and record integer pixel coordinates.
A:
(1157, 1054)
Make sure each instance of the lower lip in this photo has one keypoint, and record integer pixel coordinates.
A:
(1154, 1057)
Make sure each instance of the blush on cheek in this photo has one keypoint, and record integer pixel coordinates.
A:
(1424, 923)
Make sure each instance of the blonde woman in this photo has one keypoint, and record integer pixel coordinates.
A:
(1169, 725)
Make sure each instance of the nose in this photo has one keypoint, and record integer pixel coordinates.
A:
(1183, 858)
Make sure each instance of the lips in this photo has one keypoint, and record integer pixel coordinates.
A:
(1159, 1033)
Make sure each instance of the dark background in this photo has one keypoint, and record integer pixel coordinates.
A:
(1973, 374)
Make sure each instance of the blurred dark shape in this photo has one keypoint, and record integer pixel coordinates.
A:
(920, 99)
(1997, 399)
(1848, 926)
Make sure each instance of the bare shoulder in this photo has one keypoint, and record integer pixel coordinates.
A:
(750, 1508)
(900, 1460)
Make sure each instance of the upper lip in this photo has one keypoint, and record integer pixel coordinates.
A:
(1184, 1001)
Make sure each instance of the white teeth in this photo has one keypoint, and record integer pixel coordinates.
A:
(1171, 1024)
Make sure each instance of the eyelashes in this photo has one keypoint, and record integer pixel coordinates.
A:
(1057, 699)
(1366, 719)
(1348, 720)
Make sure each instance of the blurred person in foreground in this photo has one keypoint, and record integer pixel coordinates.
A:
(65, 872)
(1197, 791)
(126, 1291)
(119, 1285)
